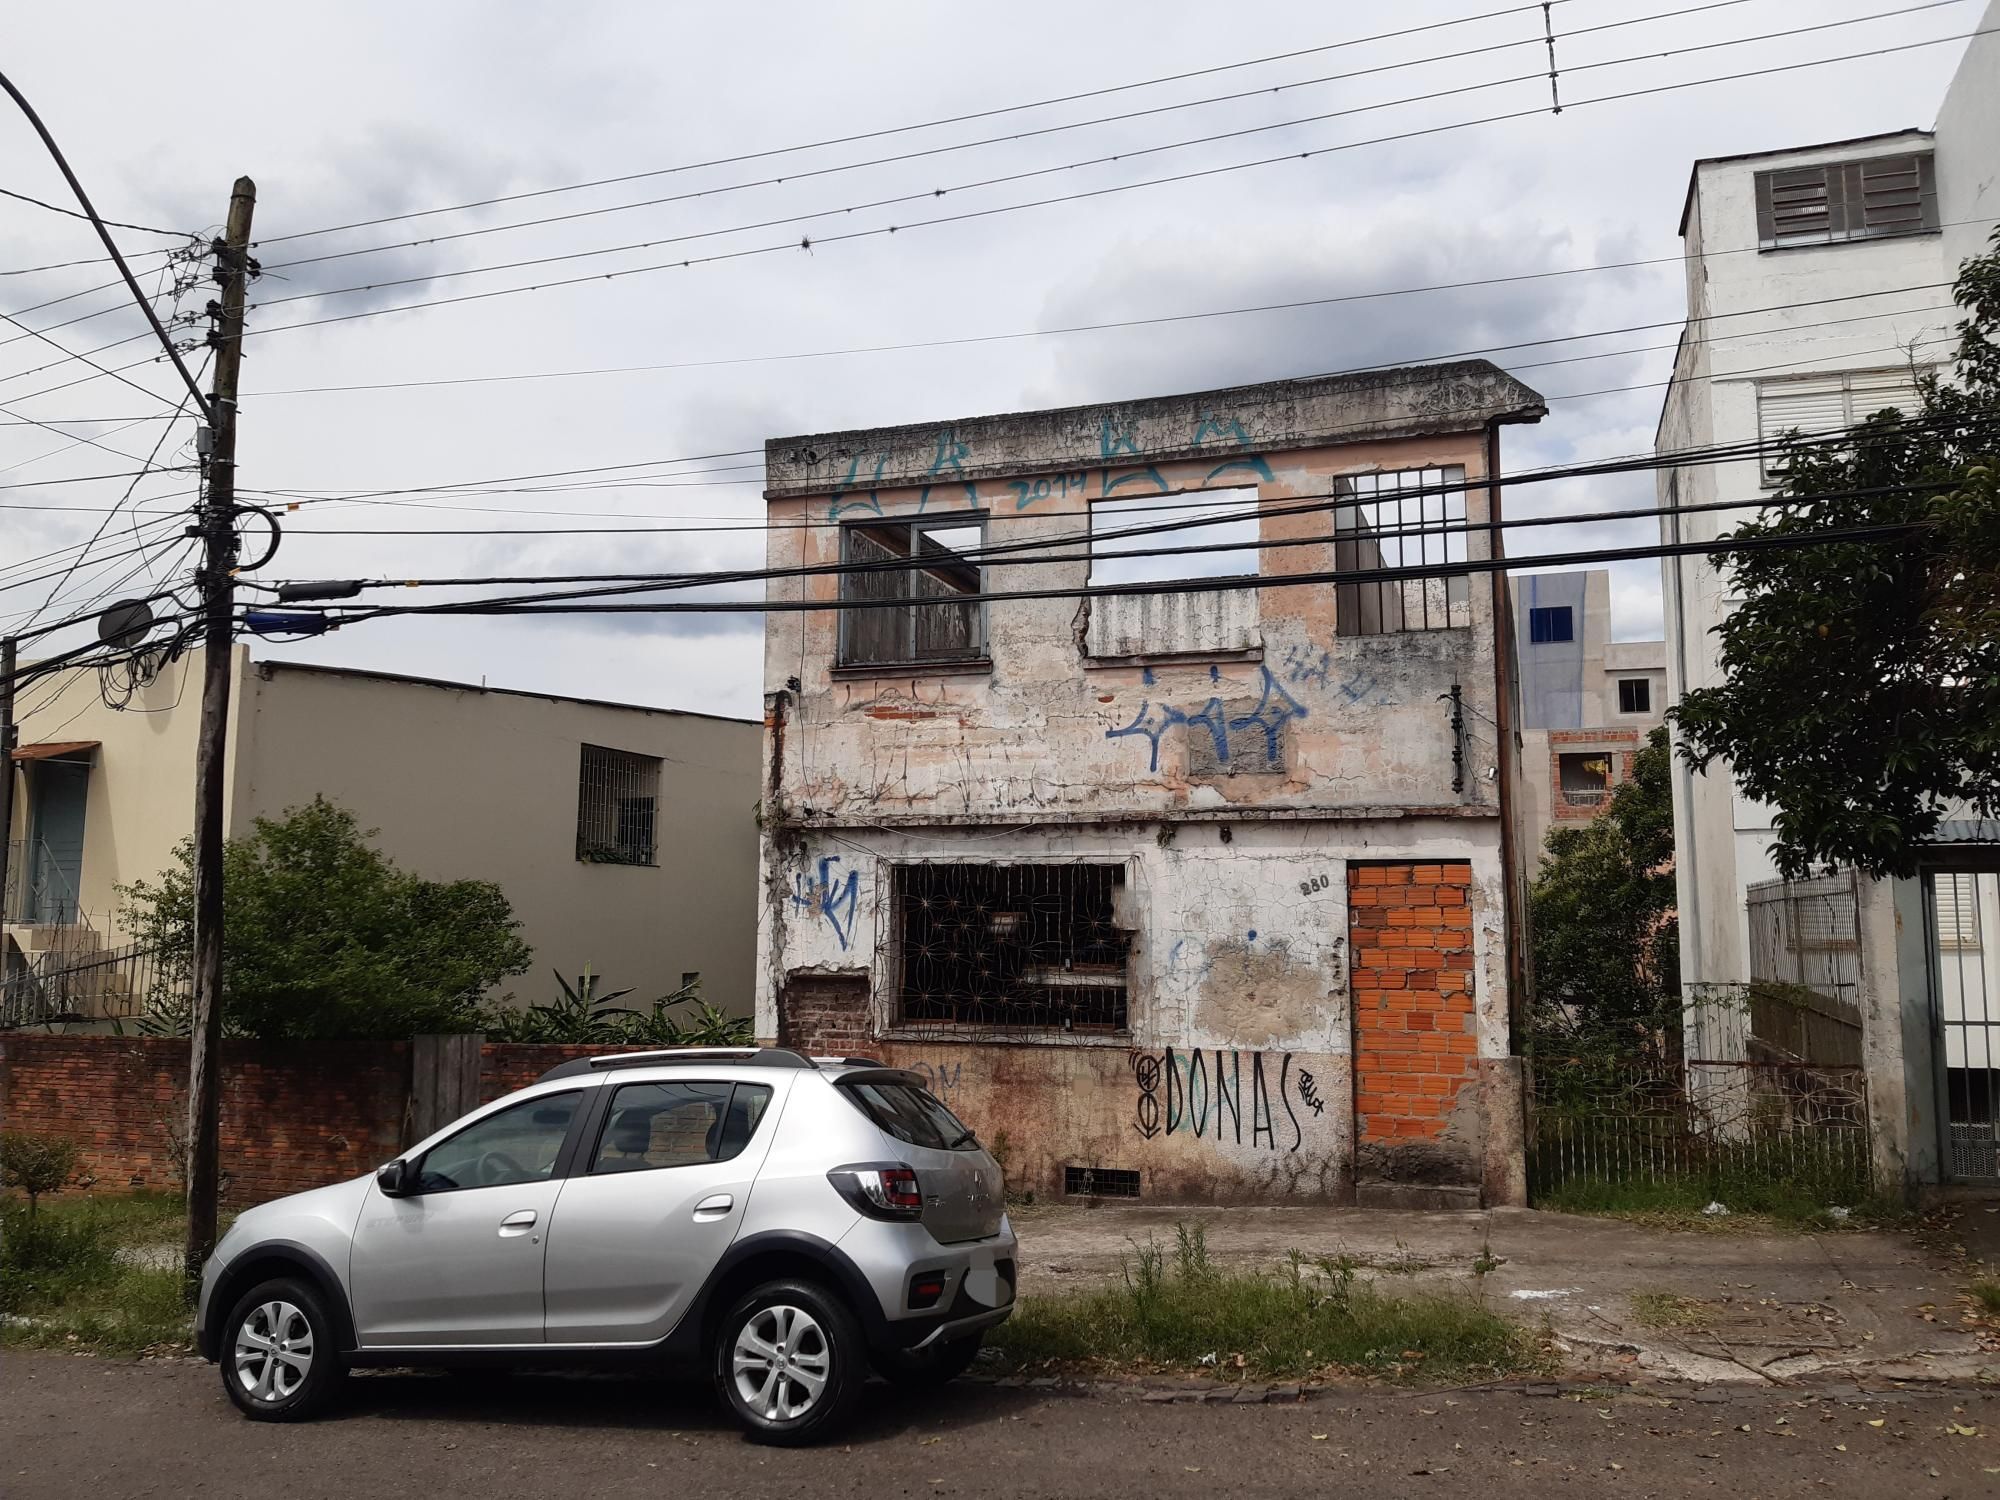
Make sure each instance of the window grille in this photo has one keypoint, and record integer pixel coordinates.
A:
(930, 610)
(1635, 695)
(1100, 1182)
(1551, 624)
(1818, 405)
(1846, 200)
(1000, 947)
(617, 807)
(1379, 524)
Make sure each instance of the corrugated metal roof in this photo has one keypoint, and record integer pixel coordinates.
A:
(1966, 831)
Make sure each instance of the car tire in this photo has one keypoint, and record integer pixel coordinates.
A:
(789, 1361)
(921, 1369)
(280, 1357)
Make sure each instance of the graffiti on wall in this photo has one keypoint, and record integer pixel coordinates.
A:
(1184, 1092)
(1275, 708)
(834, 900)
(940, 1078)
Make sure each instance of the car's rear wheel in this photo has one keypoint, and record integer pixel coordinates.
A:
(280, 1359)
(789, 1362)
(920, 1369)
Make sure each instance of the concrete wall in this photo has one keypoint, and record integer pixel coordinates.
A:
(460, 781)
(1235, 866)
(1968, 145)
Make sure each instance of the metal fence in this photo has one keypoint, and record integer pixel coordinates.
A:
(1805, 971)
(1717, 1126)
(87, 983)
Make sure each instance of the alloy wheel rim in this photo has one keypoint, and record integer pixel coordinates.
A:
(780, 1363)
(274, 1351)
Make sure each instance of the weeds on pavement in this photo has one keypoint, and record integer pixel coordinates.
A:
(1178, 1309)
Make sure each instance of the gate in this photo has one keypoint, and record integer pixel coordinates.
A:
(1962, 914)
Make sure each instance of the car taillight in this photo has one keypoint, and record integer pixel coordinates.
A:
(882, 1192)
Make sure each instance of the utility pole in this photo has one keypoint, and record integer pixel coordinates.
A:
(7, 659)
(217, 529)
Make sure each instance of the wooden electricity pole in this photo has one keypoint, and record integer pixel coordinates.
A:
(7, 666)
(217, 528)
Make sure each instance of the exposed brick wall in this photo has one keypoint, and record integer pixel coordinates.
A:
(825, 1015)
(1414, 1043)
(1619, 747)
(295, 1115)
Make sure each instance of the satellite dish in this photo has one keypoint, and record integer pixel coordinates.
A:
(125, 623)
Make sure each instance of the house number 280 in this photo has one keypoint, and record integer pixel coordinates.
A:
(1317, 883)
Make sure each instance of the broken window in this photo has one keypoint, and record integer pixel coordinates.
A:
(1196, 623)
(926, 578)
(1585, 777)
(1026, 947)
(1386, 521)
(617, 807)
(1846, 200)
(1635, 695)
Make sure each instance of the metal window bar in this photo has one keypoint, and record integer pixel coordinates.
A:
(617, 807)
(87, 983)
(1378, 525)
(1100, 1182)
(928, 613)
(1805, 971)
(1009, 948)
(1965, 989)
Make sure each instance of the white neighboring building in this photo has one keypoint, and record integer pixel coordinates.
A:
(1817, 278)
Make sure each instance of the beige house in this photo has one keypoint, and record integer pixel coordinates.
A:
(625, 837)
(1587, 702)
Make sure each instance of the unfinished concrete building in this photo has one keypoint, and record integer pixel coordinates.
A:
(1184, 896)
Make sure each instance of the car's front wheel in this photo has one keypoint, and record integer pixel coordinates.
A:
(280, 1359)
(790, 1362)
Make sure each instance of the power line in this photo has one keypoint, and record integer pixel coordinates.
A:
(56, 208)
(959, 119)
(1024, 135)
(1030, 174)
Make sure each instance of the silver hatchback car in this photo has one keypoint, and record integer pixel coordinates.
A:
(783, 1223)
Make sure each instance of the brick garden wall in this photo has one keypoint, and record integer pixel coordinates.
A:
(295, 1115)
(826, 1016)
(1414, 1043)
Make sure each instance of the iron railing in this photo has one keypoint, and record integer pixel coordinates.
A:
(89, 983)
(1716, 1124)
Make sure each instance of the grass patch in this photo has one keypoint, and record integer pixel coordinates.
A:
(1986, 1297)
(1176, 1309)
(1665, 1310)
(65, 1284)
(1753, 1203)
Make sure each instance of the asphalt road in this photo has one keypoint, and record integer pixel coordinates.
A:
(99, 1428)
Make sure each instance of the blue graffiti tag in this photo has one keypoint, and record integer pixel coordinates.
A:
(836, 904)
(1275, 708)
(1303, 665)
(1255, 466)
(1208, 425)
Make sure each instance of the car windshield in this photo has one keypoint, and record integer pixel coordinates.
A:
(912, 1114)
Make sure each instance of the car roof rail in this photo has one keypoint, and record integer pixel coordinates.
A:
(847, 1062)
(666, 1057)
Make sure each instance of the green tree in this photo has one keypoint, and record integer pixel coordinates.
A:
(1607, 946)
(1861, 679)
(324, 937)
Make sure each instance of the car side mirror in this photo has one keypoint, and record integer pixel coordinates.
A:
(394, 1179)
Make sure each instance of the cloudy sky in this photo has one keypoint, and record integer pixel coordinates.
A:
(370, 110)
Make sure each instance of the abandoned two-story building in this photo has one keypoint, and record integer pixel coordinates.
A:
(1120, 777)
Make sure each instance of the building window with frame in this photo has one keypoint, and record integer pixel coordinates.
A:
(1820, 405)
(1635, 695)
(1585, 777)
(1033, 947)
(1207, 622)
(617, 807)
(1551, 624)
(1399, 520)
(1838, 201)
(921, 578)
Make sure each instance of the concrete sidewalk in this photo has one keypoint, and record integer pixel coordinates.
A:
(1721, 1305)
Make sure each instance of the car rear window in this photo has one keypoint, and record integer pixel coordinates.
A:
(912, 1114)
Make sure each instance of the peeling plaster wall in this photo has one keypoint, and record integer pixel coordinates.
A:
(1239, 948)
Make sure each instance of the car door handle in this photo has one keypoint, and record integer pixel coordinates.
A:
(518, 1223)
(713, 1207)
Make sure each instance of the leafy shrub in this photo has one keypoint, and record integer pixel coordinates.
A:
(580, 1016)
(36, 1164)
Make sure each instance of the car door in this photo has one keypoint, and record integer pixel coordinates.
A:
(655, 1201)
(458, 1259)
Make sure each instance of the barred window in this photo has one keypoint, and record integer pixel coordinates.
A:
(1383, 525)
(1012, 946)
(1846, 200)
(930, 609)
(617, 807)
